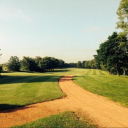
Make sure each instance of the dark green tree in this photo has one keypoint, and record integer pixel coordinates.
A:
(111, 54)
(79, 64)
(28, 64)
(13, 64)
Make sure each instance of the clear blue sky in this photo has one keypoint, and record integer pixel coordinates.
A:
(66, 29)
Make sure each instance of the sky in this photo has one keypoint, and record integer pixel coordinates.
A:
(71, 30)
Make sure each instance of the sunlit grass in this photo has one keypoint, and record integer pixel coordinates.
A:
(63, 120)
(110, 86)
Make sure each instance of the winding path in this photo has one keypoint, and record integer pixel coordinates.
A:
(103, 112)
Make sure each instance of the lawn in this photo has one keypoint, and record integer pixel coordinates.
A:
(99, 82)
(63, 120)
(19, 89)
(22, 88)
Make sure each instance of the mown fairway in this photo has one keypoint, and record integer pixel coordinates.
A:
(100, 82)
(19, 89)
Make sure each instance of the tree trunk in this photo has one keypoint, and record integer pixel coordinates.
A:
(124, 72)
(117, 72)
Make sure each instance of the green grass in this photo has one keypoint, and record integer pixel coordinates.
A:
(20, 88)
(113, 87)
(63, 120)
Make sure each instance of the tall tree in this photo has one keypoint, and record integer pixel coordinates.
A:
(112, 54)
(122, 13)
(13, 64)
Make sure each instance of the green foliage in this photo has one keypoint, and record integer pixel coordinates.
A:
(63, 120)
(90, 64)
(41, 64)
(13, 64)
(122, 13)
(111, 54)
(1, 69)
(79, 64)
(28, 64)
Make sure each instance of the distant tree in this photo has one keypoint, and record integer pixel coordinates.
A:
(37, 59)
(97, 62)
(13, 64)
(28, 64)
(0, 69)
(79, 64)
(61, 64)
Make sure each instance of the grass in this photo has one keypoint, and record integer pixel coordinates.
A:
(19, 89)
(63, 120)
(22, 88)
(99, 82)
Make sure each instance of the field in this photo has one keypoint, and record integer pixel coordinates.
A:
(22, 88)
(19, 89)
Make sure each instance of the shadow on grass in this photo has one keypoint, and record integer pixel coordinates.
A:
(27, 79)
(5, 79)
(6, 108)
(75, 77)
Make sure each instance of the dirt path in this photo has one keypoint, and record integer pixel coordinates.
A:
(103, 112)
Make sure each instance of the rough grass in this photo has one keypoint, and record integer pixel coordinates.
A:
(63, 120)
(113, 87)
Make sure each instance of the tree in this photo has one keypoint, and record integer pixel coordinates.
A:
(0, 69)
(122, 13)
(37, 59)
(79, 64)
(13, 64)
(112, 55)
(28, 64)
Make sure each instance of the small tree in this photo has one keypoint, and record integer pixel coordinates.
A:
(13, 64)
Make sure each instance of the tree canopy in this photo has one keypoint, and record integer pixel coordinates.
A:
(112, 55)
(122, 13)
(13, 64)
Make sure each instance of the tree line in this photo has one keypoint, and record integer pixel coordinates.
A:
(37, 64)
(112, 54)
